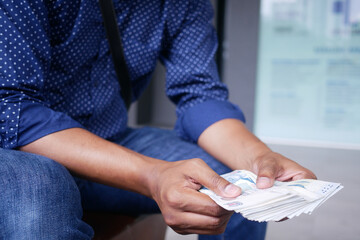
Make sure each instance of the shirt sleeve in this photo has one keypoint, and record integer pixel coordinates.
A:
(193, 83)
(25, 57)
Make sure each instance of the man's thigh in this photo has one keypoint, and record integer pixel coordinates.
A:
(164, 144)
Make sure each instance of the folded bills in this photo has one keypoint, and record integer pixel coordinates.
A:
(283, 200)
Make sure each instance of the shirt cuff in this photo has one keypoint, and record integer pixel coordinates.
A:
(196, 119)
(37, 120)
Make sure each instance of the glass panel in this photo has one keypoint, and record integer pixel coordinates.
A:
(308, 78)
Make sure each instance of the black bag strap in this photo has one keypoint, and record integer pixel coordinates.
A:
(116, 49)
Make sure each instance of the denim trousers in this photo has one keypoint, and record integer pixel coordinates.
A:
(40, 199)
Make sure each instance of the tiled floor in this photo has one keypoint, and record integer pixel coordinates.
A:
(337, 218)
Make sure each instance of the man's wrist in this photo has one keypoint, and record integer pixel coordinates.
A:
(149, 178)
(233, 144)
(254, 152)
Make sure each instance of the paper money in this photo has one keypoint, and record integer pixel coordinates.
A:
(283, 200)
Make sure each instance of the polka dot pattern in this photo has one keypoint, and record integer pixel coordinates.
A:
(55, 54)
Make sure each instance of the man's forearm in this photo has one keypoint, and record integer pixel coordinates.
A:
(92, 157)
(230, 142)
(173, 185)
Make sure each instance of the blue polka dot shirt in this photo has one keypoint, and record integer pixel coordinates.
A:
(56, 71)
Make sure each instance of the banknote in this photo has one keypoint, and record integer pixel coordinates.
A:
(283, 200)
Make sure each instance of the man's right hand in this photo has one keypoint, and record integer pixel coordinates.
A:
(174, 186)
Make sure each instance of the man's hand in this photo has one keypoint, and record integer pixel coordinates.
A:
(230, 142)
(272, 166)
(175, 185)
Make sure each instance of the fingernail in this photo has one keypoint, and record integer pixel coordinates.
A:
(232, 189)
(263, 182)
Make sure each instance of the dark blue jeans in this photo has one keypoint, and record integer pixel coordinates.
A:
(39, 199)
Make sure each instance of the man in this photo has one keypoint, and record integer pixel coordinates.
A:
(61, 107)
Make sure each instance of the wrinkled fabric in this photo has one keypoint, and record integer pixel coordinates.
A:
(56, 71)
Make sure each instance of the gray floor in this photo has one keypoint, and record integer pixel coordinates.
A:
(335, 219)
(171, 235)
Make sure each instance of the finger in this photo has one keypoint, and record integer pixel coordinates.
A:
(296, 172)
(268, 170)
(216, 231)
(282, 220)
(210, 179)
(196, 223)
(304, 175)
(200, 203)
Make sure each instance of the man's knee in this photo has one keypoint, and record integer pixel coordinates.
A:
(35, 191)
(24, 174)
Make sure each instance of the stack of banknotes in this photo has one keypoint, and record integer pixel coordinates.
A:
(283, 200)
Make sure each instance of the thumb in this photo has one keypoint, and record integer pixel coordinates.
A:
(223, 188)
(217, 184)
(266, 176)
